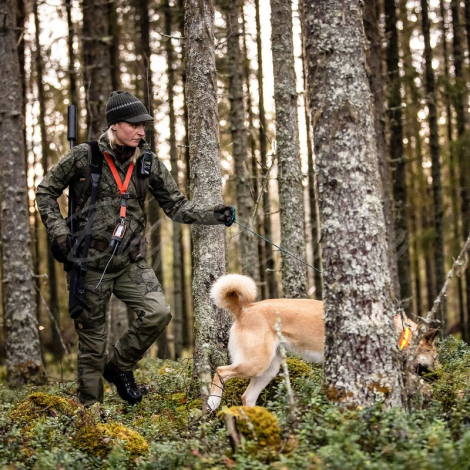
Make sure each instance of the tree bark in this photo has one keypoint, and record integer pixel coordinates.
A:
(312, 197)
(248, 252)
(396, 152)
(97, 65)
(177, 279)
(267, 263)
(294, 274)
(431, 100)
(24, 363)
(362, 364)
(187, 288)
(114, 45)
(453, 163)
(55, 345)
(376, 83)
(211, 324)
(71, 72)
(462, 145)
(118, 321)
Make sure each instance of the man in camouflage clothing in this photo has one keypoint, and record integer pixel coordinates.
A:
(128, 276)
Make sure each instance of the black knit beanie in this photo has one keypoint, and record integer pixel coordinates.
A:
(122, 106)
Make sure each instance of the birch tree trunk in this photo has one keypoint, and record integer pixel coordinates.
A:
(248, 251)
(376, 82)
(361, 357)
(211, 324)
(24, 363)
(97, 65)
(294, 274)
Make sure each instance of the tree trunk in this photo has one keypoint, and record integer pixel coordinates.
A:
(248, 252)
(267, 262)
(431, 100)
(376, 83)
(294, 274)
(71, 72)
(462, 145)
(118, 321)
(114, 45)
(453, 163)
(313, 200)
(177, 279)
(263, 292)
(396, 152)
(211, 324)
(362, 364)
(55, 346)
(97, 65)
(24, 362)
(423, 208)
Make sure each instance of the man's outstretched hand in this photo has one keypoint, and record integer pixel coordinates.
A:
(225, 214)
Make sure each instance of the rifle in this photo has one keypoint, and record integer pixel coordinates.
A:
(79, 268)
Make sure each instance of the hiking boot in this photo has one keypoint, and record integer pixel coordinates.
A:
(125, 383)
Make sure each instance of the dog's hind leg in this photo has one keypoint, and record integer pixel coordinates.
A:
(256, 369)
(257, 384)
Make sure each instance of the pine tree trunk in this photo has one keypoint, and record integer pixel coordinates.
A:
(143, 49)
(211, 324)
(263, 292)
(118, 321)
(267, 262)
(376, 82)
(361, 358)
(55, 346)
(460, 104)
(248, 252)
(97, 65)
(396, 152)
(177, 279)
(294, 274)
(71, 54)
(24, 363)
(423, 208)
(453, 163)
(114, 44)
(431, 100)
(312, 198)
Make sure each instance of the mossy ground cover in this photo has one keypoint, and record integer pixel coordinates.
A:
(44, 428)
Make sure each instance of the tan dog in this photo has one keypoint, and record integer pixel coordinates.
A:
(253, 343)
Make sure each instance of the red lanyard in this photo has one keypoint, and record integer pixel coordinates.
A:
(122, 187)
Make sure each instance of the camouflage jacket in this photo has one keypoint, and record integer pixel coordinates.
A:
(72, 170)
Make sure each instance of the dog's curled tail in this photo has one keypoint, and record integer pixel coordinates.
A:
(234, 292)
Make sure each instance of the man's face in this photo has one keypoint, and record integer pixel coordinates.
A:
(129, 134)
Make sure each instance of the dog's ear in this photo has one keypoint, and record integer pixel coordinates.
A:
(430, 335)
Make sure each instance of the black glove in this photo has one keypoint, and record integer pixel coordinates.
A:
(225, 214)
(60, 248)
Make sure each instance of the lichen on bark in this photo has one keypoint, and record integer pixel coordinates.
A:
(361, 356)
(210, 323)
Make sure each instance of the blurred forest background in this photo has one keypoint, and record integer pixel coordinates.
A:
(74, 52)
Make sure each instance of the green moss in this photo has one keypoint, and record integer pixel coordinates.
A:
(98, 440)
(234, 388)
(41, 404)
(256, 425)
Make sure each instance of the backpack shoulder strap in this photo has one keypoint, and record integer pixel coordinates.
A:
(95, 165)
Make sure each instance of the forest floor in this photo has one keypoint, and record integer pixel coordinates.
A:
(43, 428)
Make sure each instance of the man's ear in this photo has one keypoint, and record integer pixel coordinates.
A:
(430, 335)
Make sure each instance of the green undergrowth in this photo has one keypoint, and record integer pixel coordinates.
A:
(44, 428)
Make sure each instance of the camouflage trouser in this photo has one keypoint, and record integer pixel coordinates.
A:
(139, 288)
